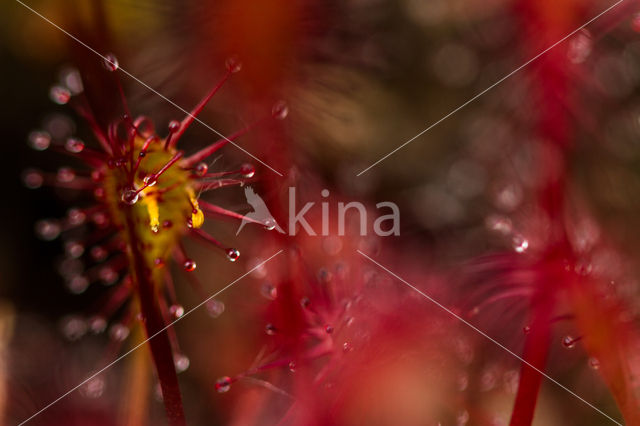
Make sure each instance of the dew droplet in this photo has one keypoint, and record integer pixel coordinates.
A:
(269, 291)
(594, 363)
(76, 217)
(500, 224)
(526, 329)
(270, 329)
(176, 311)
(130, 196)
(305, 302)
(74, 145)
(39, 140)
(233, 64)
(71, 78)
(580, 47)
(233, 254)
(150, 180)
(292, 366)
(181, 362)
(74, 249)
(108, 275)
(328, 329)
(32, 178)
(65, 175)
(346, 347)
(59, 126)
(247, 170)
(463, 418)
(174, 125)
(189, 265)
(118, 332)
(201, 169)
(97, 324)
(110, 62)
(77, 284)
(270, 224)
(215, 308)
(70, 267)
(59, 95)
(520, 244)
(73, 327)
(569, 342)
(47, 229)
(280, 110)
(223, 384)
(93, 389)
(98, 253)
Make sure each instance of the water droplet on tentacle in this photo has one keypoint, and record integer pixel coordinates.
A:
(189, 265)
(32, 179)
(569, 342)
(181, 362)
(97, 324)
(74, 249)
(233, 64)
(110, 62)
(201, 169)
(223, 384)
(74, 145)
(233, 254)
(48, 229)
(174, 125)
(73, 327)
(39, 140)
(176, 311)
(247, 170)
(60, 95)
(130, 196)
(93, 389)
(118, 332)
(520, 244)
(77, 284)
(280, 110)
(70, 77)
(215, 308)
(65, 175)
(108, 275)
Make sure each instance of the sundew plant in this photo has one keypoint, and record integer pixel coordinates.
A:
(303, 212)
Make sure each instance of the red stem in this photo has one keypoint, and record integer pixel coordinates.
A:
(536, 351)
(159, 341)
